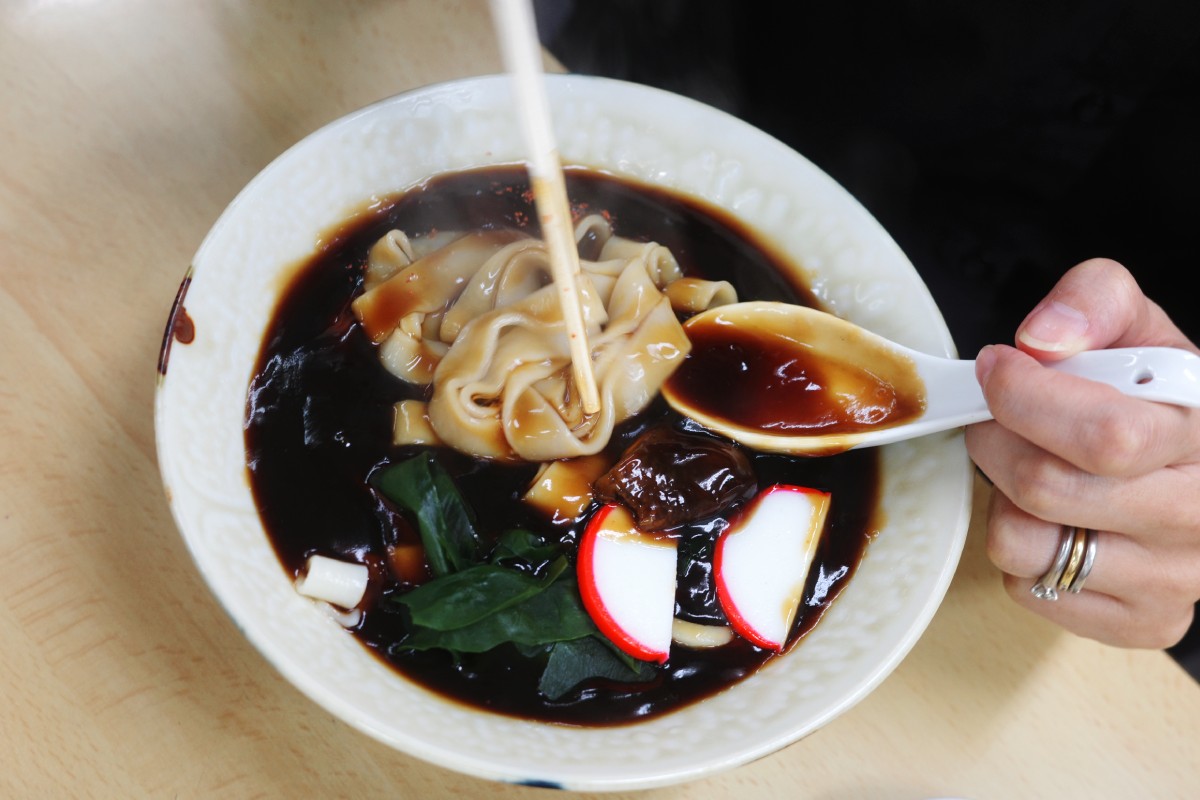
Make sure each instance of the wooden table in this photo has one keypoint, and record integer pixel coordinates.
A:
(127, 126)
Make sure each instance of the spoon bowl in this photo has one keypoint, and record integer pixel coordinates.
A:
(790, 379)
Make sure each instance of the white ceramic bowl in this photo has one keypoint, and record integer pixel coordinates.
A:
(850, 262)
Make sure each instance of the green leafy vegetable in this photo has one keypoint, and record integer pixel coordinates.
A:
(464, 598)
(549, 616)
(523, 549)
(522, 595)
(572, 662)
(445, 522)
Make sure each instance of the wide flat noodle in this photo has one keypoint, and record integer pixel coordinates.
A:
(403, 313)
(480, 319)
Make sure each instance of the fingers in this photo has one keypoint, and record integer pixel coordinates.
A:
(1090, 425)
(1135, 596)
(1106, 619)
(1047, 486)
(1064, 450)
(1095, 305)
(1024, 546)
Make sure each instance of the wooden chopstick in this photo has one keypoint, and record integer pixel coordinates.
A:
(522, 57)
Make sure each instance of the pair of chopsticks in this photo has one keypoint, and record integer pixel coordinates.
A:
(522, 57)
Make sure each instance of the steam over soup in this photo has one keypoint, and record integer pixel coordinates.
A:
(422, 466)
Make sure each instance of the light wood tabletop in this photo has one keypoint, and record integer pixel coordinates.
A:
(127, 126)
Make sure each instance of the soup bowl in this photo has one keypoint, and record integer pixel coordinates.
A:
(647, 135)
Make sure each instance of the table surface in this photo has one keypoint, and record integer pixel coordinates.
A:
(127, 126)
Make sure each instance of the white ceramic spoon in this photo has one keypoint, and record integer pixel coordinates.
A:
(787, 337)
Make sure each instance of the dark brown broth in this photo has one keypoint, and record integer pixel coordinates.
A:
(785, 388)
(319, 418)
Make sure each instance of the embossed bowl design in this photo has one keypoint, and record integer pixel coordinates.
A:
(629, 130)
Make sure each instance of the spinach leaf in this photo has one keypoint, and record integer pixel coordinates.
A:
(445, 522)
(524, 550)
(553, 614)
(465, 597)
(577, 660)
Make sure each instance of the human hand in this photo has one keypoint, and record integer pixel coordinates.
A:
(1064, 451)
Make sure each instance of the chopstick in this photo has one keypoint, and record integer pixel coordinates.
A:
(522, 57)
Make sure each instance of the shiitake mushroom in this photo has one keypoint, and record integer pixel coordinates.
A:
(668, 478)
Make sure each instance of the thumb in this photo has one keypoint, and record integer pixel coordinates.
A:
(1095, 305)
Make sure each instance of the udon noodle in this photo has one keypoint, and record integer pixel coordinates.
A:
(479, 319)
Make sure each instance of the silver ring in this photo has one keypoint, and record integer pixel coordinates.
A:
(1089, 558)
(1046, 586)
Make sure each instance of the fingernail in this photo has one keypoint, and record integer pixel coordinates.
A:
(984, 363)
(1053, 327)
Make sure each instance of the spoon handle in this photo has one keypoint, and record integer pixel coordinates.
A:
(953, 396)
(1161, 374)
